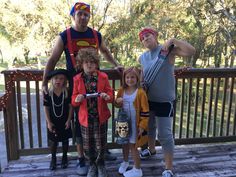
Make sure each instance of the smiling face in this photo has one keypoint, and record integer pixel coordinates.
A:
(131, 79)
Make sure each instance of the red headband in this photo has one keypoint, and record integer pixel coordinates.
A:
(145, 31)
(82, 6)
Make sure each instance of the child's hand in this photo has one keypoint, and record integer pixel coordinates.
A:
(50, 126)
(79, 98)
(67, 124)
(119, 101)
(105, 96)
(140, 131)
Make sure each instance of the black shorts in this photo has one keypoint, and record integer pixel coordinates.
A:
(162, 109)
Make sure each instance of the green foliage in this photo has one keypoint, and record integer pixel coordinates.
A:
(208, 25)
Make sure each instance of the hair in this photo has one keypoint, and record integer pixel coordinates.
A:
(64, 89)
(134, 70)
(87, 54)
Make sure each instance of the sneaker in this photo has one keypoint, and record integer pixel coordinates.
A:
(102, 172)
(82, 168)
(92, 171)
(146, 154)
(167, 173)
(108, 156)
(123, 167)
(134, 172)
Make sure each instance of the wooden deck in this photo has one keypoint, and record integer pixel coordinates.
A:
(214, 160)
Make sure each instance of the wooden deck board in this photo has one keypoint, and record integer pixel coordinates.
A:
(215, 160)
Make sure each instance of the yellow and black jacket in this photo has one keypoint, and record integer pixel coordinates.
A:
(142, 113)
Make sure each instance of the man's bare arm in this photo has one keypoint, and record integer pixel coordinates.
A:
(182, 48)
(52, 61)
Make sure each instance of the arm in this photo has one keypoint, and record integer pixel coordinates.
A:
(107, 54)
(76, 97)
(182, 48)
(119, 100)
(144, 112)
(69, 117)
(141, 75)
(52, 61)
(48, 120)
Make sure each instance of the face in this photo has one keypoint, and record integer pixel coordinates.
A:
(131, 79)
(58, 81)
(149, 41)
(81, 18)
(89, 67)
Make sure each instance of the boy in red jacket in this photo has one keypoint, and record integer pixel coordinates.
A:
(92, 92)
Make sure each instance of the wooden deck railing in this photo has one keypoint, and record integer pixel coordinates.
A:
(205, 109)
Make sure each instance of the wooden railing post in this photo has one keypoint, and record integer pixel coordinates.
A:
(10, 119)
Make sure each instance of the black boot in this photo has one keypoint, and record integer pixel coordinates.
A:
(53, 163)
(64, 161)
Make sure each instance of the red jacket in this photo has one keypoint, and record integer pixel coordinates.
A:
(102, 86)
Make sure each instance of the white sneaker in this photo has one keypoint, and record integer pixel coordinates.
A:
(123, 167)
(134, 172)
(167, 173)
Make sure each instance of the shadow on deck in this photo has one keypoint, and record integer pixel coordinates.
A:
(190, 161)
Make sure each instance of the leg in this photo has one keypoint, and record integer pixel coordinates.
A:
(81, 169)
(136, 170)
(151, 137)
(135, 155)
(166, 139)
(89, 147)
(53, 163)
(79, 139)
(125, 149)
(125, 164)
(100, 137)
(65, 146)
(152, 131)
(108, 156)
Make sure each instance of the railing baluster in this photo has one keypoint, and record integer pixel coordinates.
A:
(230, 105)
(29, 113)
(203, 106)
(181, 108)
(234, 121)
(216, 107)
(196, 108)
(223, 106)
(210, 108)
(19, 105)
(38, 114)
(189, 107)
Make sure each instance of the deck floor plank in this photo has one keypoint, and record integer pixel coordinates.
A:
(215, 160)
